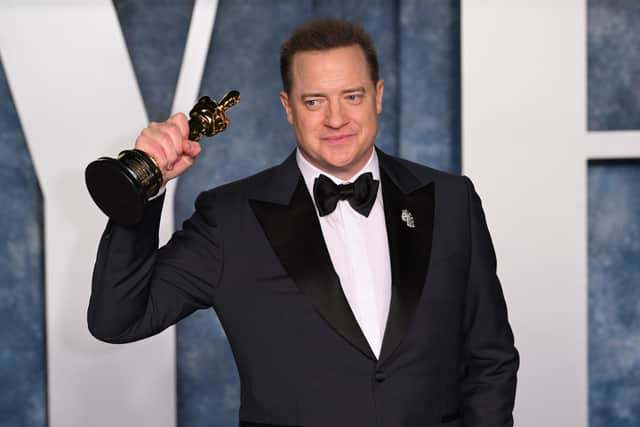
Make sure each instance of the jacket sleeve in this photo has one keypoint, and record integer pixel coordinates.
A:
(491, 360)
(139, 290)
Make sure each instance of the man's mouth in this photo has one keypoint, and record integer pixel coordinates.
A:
(336, 138)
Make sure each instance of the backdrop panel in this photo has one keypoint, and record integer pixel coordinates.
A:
(429, 79)
(614, 216)
(614, 64)
(155, 33)
(614, 293)
(22, 332)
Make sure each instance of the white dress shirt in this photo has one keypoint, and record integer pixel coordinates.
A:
(359, 250)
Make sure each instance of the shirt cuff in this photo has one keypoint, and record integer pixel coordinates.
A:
(158, 194)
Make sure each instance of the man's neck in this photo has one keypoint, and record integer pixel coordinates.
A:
(311, 170)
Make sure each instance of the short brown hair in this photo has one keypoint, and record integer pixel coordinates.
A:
(324, 34)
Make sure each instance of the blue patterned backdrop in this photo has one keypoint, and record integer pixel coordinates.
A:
(614, 217)
(428, 56)
(22, 333)
(418, 43)
(155, 33)
(614, 293)
(614, 64)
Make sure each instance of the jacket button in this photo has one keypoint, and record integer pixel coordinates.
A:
(380, 376)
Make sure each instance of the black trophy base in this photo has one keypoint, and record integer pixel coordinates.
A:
(116, 190)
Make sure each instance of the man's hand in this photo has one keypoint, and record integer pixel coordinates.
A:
(168, 144)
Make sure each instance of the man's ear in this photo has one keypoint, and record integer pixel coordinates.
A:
(379, 93)
(284, 99)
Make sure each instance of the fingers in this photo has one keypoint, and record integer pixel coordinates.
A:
(167, 143)
(181, 165)
(191, 148)
(166, 140)
(181, 121)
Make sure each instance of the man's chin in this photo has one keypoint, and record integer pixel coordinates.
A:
(343, 170)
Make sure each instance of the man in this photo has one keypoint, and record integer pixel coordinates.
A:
(377, 305)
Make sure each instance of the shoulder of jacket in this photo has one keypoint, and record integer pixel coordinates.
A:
(427, 174)
(239, 188)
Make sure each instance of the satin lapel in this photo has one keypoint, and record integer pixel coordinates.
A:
(408, 209)
(294, 232)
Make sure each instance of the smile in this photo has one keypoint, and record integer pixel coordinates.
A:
(336, 138)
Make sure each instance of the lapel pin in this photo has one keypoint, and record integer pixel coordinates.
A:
(407, 218)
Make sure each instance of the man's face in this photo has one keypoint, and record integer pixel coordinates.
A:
(333, 107)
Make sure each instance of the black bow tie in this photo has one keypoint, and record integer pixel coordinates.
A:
(361, 194)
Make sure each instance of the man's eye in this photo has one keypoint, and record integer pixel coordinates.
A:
(354, 97)
(311, 102)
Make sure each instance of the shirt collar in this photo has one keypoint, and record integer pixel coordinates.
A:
(310, 172)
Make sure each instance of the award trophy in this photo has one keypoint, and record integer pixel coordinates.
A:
(121, 187)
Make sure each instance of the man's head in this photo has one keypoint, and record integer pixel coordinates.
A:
(332, 95)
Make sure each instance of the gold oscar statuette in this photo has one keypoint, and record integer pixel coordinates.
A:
(121, 187)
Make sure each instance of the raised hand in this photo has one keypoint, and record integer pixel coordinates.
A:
(168, 144)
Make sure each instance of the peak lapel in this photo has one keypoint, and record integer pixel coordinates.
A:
(294, 232)
(408, 209)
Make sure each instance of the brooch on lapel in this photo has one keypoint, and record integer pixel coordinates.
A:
(407, 218)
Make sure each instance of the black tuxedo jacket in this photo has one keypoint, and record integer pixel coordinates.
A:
(253, 250)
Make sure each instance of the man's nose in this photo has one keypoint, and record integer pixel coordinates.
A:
(335, 116)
